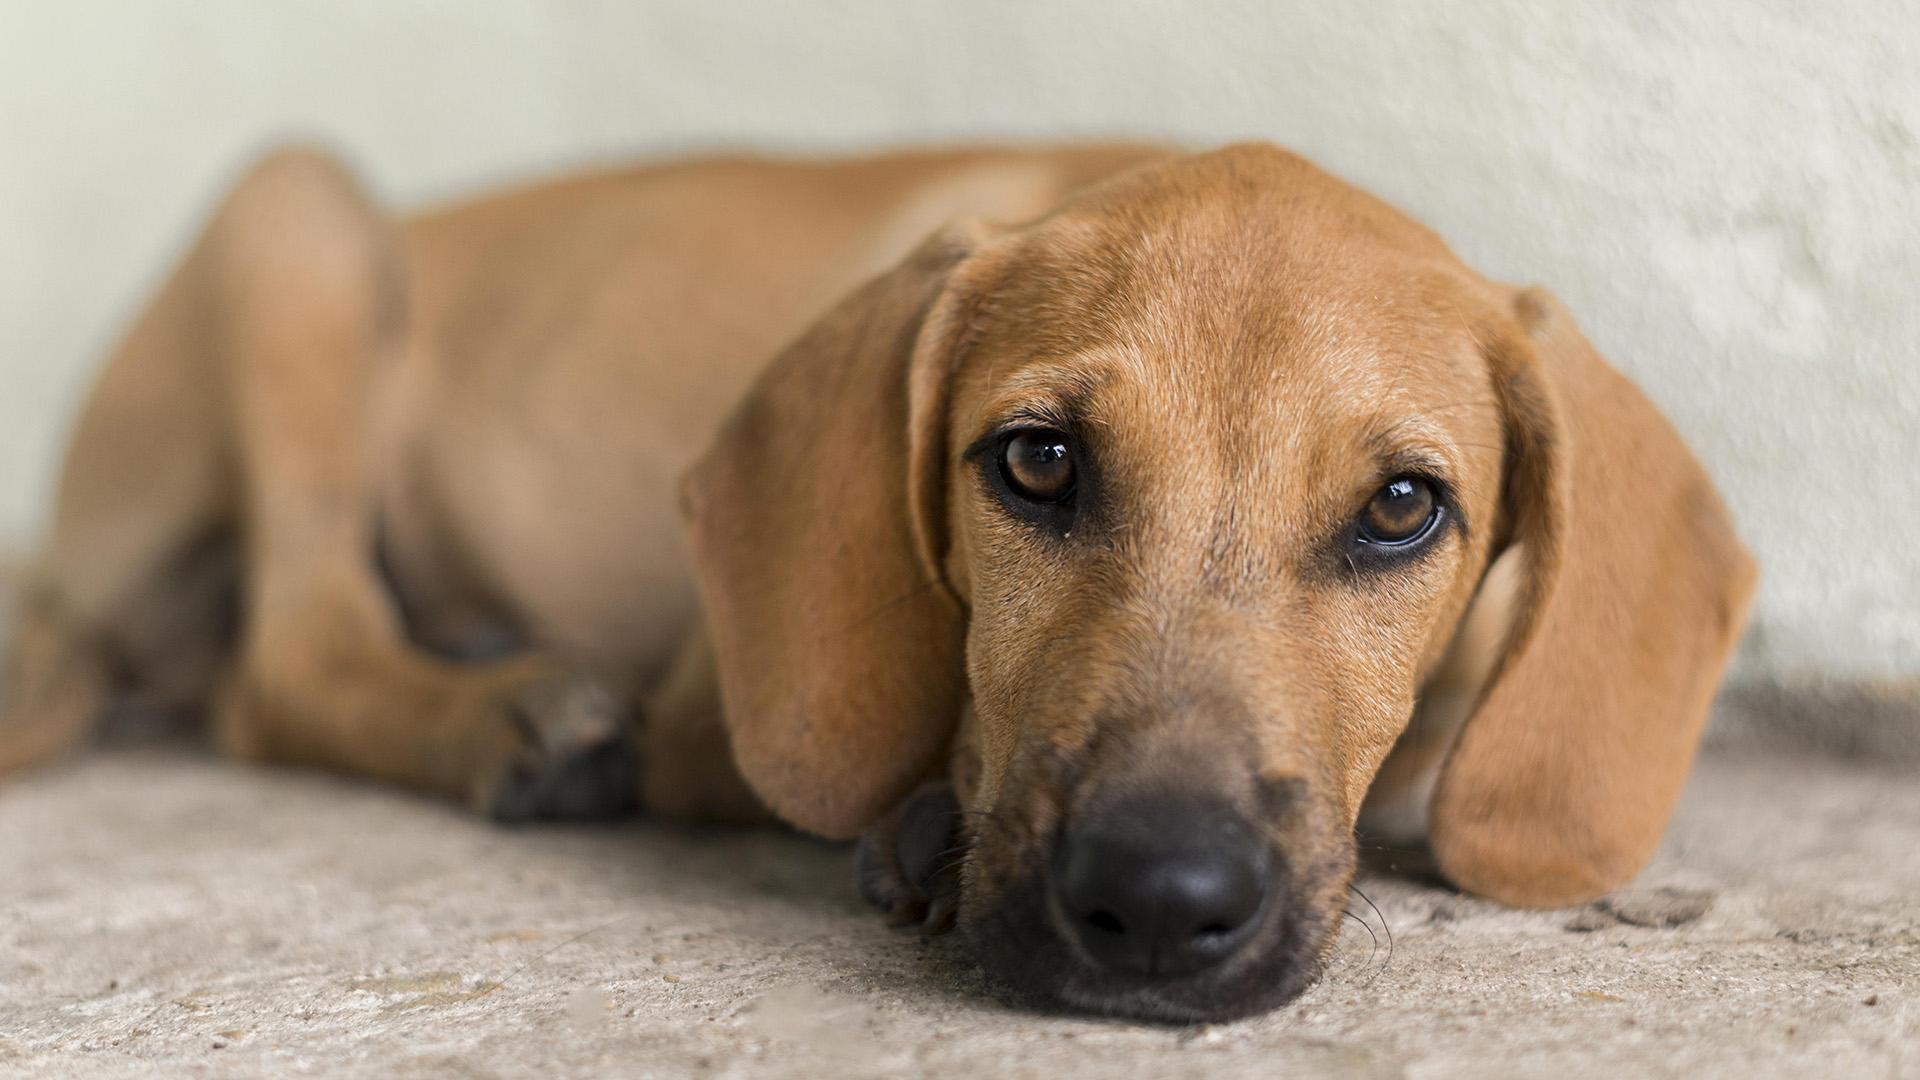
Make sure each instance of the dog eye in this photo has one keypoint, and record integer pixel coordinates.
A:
(1038, 465)
(1400, 512)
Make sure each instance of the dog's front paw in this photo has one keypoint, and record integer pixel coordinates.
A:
(576, 759)
(909, 861)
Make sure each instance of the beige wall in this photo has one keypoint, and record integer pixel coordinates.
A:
(1725, 192)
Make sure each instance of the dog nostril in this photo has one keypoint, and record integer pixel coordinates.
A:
(1107, 922)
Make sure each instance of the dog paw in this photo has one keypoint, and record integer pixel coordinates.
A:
(909, 862)
(576, 758)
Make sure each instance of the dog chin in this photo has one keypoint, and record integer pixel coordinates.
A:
(1015, 941)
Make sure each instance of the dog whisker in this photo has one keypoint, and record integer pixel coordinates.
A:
(1384, 925)
(1368, 927)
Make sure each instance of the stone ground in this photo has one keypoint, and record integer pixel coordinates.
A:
(162, 913)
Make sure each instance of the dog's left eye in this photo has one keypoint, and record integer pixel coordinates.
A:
(1038, 465)
(1402, 511)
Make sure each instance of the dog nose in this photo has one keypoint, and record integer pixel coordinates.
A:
(1161, 887)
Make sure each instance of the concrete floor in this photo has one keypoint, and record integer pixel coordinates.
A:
(162, 913)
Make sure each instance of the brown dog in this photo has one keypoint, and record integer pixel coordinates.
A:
(1116, 549)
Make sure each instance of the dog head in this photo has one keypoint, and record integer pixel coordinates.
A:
(1156, 516)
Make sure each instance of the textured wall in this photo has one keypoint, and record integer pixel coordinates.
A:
(1725, 192)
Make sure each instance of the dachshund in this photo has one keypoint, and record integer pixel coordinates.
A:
(1100, 534)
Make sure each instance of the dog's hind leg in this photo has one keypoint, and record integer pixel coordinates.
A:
(55, 686)
(214, 539)
(314, 326)
(155, 652)
(131, 596)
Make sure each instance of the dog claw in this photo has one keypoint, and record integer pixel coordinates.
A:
(908, 863)
(577, 760)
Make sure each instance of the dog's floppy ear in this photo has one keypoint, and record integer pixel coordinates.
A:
(815, 522)
(1635, 588)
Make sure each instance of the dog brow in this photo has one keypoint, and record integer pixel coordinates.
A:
(1411, 444)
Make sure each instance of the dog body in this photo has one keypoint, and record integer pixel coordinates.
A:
(1116, 533)
(521, 382)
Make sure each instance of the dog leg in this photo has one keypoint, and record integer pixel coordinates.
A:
(688, 770)
(908, 863)
(133, 592)
(55, 685)
(301, 306)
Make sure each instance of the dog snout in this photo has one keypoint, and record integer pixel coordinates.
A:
(1161, 886)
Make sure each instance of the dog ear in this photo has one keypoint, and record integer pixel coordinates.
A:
(1634, 591)
(815, 522)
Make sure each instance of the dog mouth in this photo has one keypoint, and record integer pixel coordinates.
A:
(1173, 909)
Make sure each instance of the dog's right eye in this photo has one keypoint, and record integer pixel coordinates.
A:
(1038, 465)
(1399, 513)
